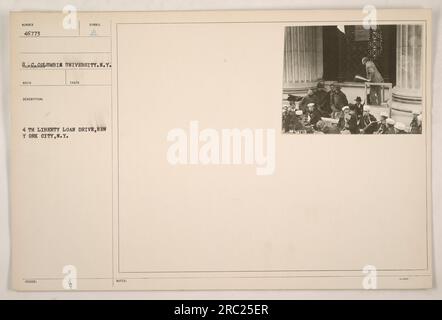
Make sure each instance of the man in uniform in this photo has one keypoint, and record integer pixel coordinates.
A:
(373, 75)
(415, 124)
(400, 128)
(313, 114)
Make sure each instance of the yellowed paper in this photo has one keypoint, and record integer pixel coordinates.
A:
(126, 175)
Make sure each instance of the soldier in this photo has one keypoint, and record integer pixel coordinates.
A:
(309, 98)
(327, 129)
(373, 75)
(415, 124)
(338, 100)
(390, 126)
(399, 128)
(297, 121)
(290, 119)
(285, 119)
(368, 123)
(383, 124)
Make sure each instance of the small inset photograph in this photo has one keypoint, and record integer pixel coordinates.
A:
(353, 79)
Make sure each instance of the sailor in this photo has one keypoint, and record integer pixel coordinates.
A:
(390, 126)
(309, 98)
(338, 99)
(399, 128)
(285, 119)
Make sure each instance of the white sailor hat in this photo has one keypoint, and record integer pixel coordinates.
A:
(367, 108)
(390, 121)
(345, 108)
(384, 114)
(400, 126)
(298, 112)
(311, 104)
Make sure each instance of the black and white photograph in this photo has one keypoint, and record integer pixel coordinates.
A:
(353, 79)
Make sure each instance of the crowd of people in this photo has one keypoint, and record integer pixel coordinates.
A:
(322, 111)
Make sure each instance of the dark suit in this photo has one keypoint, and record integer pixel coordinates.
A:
(382, 129)
(390, 130)
(305, 101)
(315, 116)
(368, 123)
(338, 100)
(374, 75)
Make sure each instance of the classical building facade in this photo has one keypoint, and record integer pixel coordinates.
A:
(333, 53)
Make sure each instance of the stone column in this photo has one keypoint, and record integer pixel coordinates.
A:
(303, 63)
(409, 56)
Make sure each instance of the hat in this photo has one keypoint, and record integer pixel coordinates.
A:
(298, 112)
(400, 126)
(384, 114)
(358, 99)
(292, 98)
(364, 60)
(345, 108)
(390, 121)
(415, 112)
(311, 104)
(367, 108)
